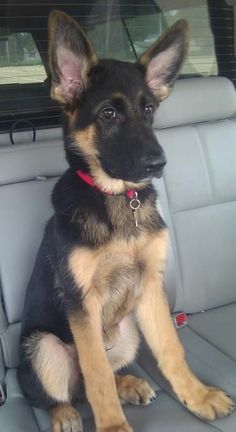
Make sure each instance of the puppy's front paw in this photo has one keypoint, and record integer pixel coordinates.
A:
(209, 403)
(66, 418)
(134, 390)
(123, 427)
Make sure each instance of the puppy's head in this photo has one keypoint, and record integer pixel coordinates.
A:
(110, 104)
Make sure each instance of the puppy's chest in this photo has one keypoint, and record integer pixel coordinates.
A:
(112, 274)
(119, 282)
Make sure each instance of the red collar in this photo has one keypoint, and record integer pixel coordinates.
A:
(131, 193)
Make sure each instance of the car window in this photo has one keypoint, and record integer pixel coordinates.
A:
(128, 29)
(20, 60)
(120, 29)
(201, 59)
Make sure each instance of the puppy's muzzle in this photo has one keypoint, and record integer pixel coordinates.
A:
(153, 164)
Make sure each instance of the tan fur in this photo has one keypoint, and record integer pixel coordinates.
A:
(146, 212)
(94, 270)
(134, 390)
(57, 94)
(80, 260)
(104, 181)
(123, 427)
(164, 92)
(49, 355)
(98, 375)
(113, 280)
(109, 184)
(113, 273)
(154, 251)
(87, 264)
(65, 418)
(84, 142)
(119, 95)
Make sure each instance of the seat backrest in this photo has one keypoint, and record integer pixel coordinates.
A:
(27, 175)
(198, 191)
(39, 136)
(197, 197)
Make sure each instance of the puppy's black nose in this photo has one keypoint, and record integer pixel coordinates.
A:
(153, 162)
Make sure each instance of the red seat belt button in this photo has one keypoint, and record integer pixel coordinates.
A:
(180, 320)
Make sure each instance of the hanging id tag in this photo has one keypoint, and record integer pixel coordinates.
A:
(134, 205)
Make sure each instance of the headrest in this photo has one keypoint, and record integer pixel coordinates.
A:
(28, 162)
(196, 100)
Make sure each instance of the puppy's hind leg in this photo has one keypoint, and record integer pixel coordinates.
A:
(56, 366)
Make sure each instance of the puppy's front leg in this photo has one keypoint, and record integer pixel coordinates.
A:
(98, 375)
(160, 333)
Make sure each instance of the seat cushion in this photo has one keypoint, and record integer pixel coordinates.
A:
(206, 358)
(28, 162)
(165, 414)
(16, 415)
(217, 326)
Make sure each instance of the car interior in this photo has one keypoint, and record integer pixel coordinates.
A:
(196, 126)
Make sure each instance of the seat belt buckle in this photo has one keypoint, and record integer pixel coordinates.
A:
(2, 396)
(180, 320)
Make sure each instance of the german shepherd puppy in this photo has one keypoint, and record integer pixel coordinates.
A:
(102, 258)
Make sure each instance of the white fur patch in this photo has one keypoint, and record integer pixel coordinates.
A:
(125, 345)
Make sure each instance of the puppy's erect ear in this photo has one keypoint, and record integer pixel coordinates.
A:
(71, 56)
(163, 60)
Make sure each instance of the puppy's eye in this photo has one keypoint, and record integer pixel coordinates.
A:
(148, 110)
(109, 113)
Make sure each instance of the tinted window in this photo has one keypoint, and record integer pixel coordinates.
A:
(120, 29)
(20, 61)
